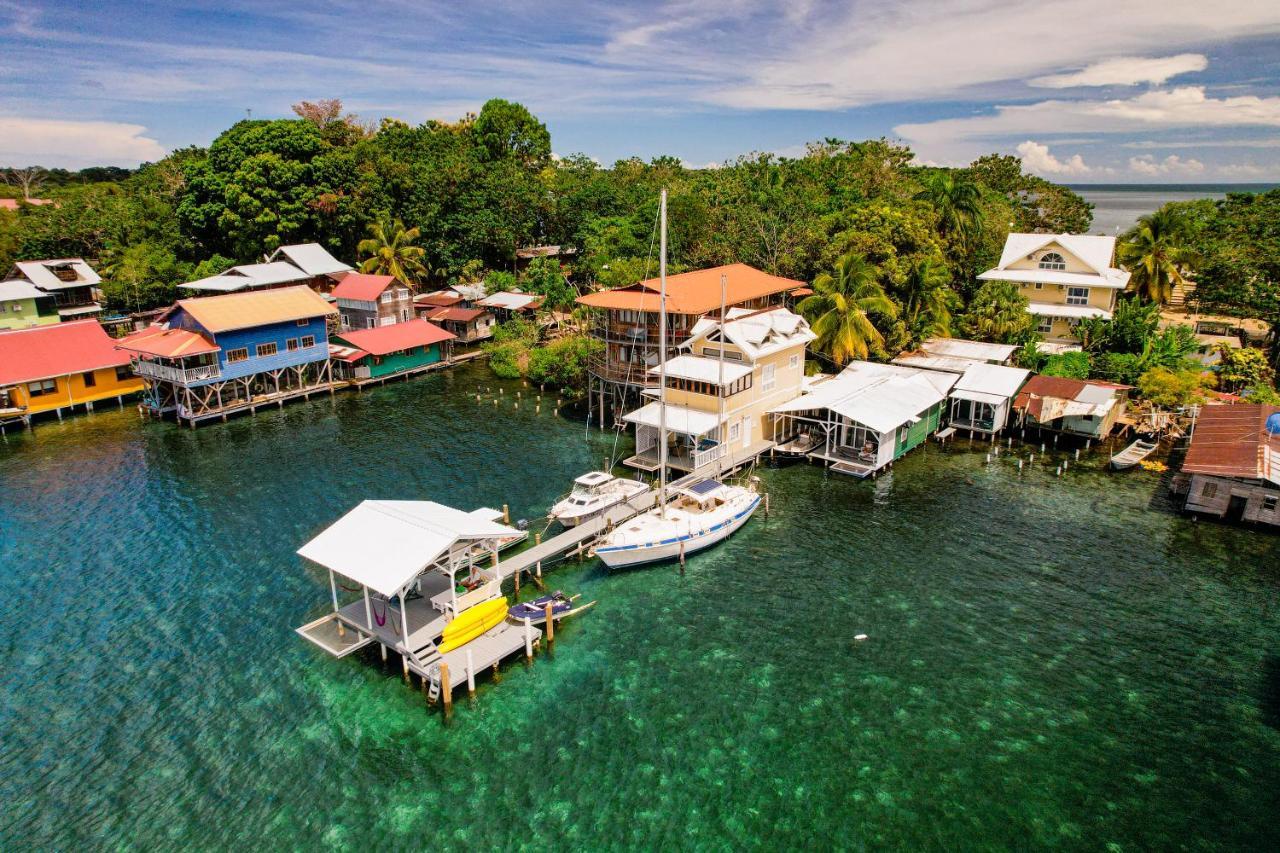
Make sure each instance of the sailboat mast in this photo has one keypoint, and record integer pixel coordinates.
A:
(721, 426)
(662, 356)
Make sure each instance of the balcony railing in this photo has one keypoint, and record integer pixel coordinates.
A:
(182, 376)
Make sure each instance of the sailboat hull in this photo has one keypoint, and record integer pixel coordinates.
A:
(623, 556)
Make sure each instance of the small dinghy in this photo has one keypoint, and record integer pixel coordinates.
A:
(536, 611)
(1133, 454)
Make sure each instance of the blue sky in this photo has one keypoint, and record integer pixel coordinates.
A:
(1083, 90)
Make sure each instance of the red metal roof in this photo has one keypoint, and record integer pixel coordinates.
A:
(440, 298)
(167, 343)
(461, 315)
(383, 340)
(362, 287)
(1232, 441)
(59, 349)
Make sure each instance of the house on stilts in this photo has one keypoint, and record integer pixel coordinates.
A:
(384, 352)
(1088, 409)
(1232, 468)
(218, 355)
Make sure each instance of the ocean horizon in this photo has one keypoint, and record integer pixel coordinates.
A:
(1116, 207)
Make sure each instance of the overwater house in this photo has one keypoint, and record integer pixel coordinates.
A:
(507, 305)
(982, 398)
(1232, 468)
(865, 418)
(720, 389)
(468, 325)
(280, 270)
(1065, 278)
(1073, 406)
(381, 352)
(22, 304)
(56, 367)
(366, 301)
(71, 283)
(626, 322)
(955, 355)
(218, 355)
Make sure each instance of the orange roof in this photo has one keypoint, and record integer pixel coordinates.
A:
(383, 340)
(58, 349)
(256, 308)
(167, 343)
(362, 287)
(694, 292)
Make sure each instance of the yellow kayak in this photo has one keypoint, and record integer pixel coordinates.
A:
(473, 622)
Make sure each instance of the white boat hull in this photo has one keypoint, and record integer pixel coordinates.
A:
(670, 549)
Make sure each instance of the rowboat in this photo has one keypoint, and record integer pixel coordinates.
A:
(1133, 454)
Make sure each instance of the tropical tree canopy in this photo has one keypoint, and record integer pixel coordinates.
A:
(957, 201)
(927, 300)
(390, 250)
(998, 313)
(1156, 255)
(841, 308)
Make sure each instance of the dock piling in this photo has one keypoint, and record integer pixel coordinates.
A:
(506, 514)
(446, 689)
(528, 639)
(551, 626)
(471, 676)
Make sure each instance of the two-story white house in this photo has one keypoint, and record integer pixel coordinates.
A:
(1065, 278)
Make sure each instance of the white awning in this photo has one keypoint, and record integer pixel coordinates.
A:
(80, 310)
(701, 369)
(386, 544)
(1074, 312)
(680, 419)
(978, 396)
(1114, 279)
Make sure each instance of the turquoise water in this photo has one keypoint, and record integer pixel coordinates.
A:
(1049, 662)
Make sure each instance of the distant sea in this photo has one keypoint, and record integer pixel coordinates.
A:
(1118, 206)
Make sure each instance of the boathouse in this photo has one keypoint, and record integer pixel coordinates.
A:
(385, 351)
(22, 304)
(71, 282)
(1072, 406)
(218, 355)
(865, 418)
(720, 390)
(1232, 468)
(468, 325)
(57, 367)
(365, 301)
(982, 398)
(416, 567)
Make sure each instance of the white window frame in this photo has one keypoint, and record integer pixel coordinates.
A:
(239, 354)
(1044, 325)
(1074, 295)
(768, 378)
(794, 361)
(305, 321)
(308, 341)
(1059, 263)
(387, 297)
(387, 321)
(371, 322)
(258, 349)
(735, 430)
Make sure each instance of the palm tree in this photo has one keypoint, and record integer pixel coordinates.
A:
(998, 313)
(1154, 253)
(926, 299)
(957, 201)
(390, 250)
(840, 309)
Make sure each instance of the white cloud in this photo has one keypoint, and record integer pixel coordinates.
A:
(1147, 166)
(1125, 71)
(74, 144)
(1246, 170)
(1039, 159)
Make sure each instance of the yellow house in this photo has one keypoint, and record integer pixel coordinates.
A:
(56, 367)
(1065, 278)
(719, 391)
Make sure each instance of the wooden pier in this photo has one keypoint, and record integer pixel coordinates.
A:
(576, 539)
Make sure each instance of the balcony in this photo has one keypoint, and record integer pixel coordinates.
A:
(179, 375)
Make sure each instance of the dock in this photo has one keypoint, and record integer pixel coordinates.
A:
(575, 539)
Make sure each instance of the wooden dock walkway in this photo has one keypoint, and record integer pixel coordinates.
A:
(576, 537)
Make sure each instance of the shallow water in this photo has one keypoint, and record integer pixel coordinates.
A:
(1049, 661)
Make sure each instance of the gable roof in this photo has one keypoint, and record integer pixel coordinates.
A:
(510, 300)
(438, 298)
(1233, 441)
(362, 287)
(384, 340)
(694, 292)
(456, 313)
(1094, 251)
(167, 343)
(756, 333)
(248, 276)
(41, 274)
(975, 350)
(20, 288)
(58, 349)
(311, 258)
(990, 381)
(255, 308)
(881, 400)
(1048, 398)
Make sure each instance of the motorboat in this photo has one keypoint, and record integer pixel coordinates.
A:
(562, 607)
(592, 495)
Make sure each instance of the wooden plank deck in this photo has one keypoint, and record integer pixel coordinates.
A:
(576, 536)
(487, 650)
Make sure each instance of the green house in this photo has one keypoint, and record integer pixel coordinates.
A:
(22, 305)
(389, 350)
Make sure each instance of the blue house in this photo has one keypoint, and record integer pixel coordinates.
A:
(214, 356)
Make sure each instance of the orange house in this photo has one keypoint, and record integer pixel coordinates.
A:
(60, 366)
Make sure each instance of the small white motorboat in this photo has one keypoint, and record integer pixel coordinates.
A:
(704, 512)
(1133, 454)
(594, 493)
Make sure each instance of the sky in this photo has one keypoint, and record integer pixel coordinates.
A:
(1084, 91)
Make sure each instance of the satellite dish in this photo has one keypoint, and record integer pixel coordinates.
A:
(1273, 424)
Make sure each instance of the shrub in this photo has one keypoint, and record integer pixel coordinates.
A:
(1165, 387)
(563, 362)
(1072, 365)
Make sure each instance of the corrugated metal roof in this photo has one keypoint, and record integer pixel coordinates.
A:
(681, 419)
(694, 292)
(362, 287)
(312, 258)
(58, 349)
(700, 369)
(961, 348)
(384, 340)
(167, 343)
(247, 276)
(17, 288)
(256, 308)
(992, 379)
(1232, 441)
(41, 274)
(509, 301)
(881, 400)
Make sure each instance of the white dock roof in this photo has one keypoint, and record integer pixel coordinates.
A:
(385, 544)
(679, 418)
(880, 400)
(990, 383)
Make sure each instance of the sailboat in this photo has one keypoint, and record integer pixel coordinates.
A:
(705, 511)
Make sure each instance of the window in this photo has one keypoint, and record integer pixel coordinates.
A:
(302, 323)
(1077, 296)
(291, 344)
(90, 380)
(308, 341)
(1269, 503)
(387, 321)
(794, 361)
(44, 386)
(767, 378)
(1208, 490)
(234, 355)
(124, 372)
(346, 322)
(1052, 261)
(1044, 325)
(735, 429)
(370, 322)
(387, 296)
(267, 349)
(1039, 285)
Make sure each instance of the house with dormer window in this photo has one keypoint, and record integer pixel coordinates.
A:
(1065, 277)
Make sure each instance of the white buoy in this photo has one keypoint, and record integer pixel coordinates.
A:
(860, 637)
